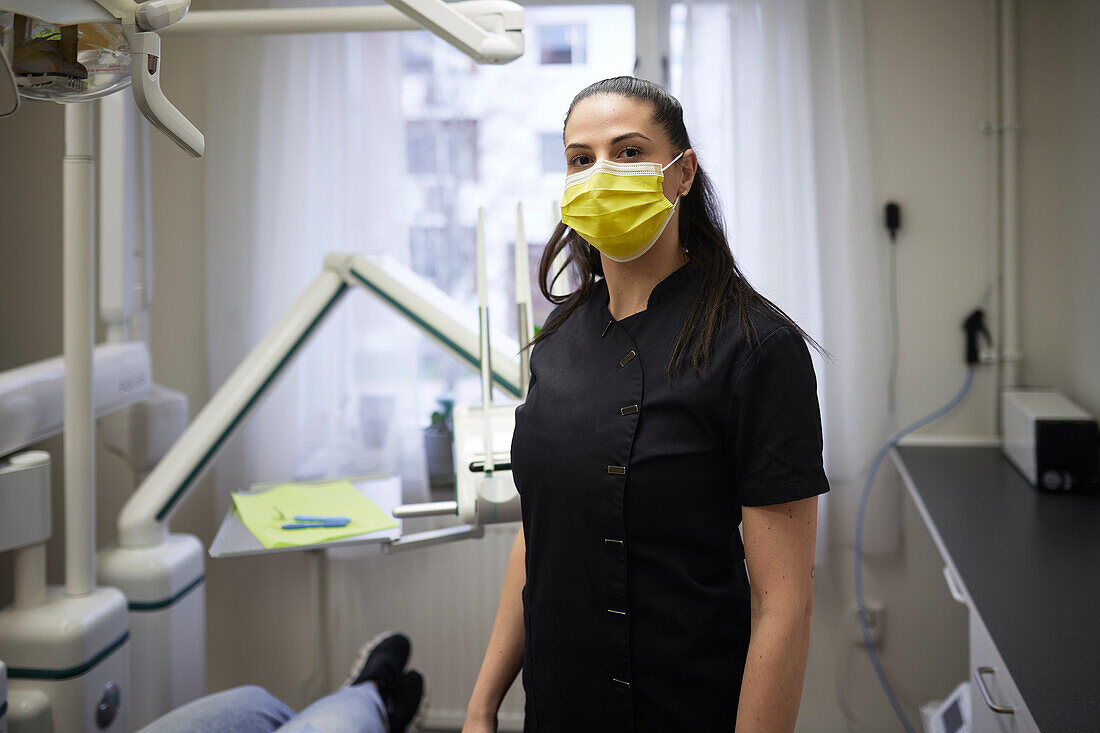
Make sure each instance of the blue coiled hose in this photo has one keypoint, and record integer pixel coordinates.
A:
(859, 540)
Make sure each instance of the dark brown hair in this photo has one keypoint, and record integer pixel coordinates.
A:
(702, 234)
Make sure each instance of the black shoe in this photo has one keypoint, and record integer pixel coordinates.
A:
(382, 661)
(408, 702)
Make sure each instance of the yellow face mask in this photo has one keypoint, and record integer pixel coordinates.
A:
(619, 208)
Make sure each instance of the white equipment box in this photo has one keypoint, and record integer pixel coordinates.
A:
(1052, 441)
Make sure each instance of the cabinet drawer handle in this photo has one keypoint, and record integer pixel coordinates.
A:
(1002, 709)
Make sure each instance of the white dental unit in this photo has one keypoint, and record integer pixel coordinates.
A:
(115, 647)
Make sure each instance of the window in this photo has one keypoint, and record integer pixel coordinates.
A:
(469, 143)
(562, 44)
(551, 152)
(433, 253)
(442, 147)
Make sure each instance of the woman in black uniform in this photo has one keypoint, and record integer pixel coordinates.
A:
(669, 403)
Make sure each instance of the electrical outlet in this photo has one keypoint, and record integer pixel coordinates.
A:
(875, 610)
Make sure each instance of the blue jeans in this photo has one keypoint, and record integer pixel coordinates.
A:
(251, 709)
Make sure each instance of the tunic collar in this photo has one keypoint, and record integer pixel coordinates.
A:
(675, 282)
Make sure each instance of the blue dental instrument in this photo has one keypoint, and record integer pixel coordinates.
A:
(314, 525)
(312, 521)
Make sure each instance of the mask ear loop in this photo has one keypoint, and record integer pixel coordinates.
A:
(679, 195)
(673, 161)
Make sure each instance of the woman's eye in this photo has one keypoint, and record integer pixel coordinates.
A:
(630, 152)
(579, 160)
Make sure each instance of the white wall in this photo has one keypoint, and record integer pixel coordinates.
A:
(930, 85)
(1060, 206)
(930, 82)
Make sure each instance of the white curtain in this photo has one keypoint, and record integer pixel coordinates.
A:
(773, 92)
(306, 157)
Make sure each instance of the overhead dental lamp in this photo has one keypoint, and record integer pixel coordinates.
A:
(77, 50)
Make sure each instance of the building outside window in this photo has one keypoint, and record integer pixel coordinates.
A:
(433, 254)
(552, 152)
(562, 44)
(442, 148)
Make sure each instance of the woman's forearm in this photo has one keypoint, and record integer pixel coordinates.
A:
(771, 689)
(504, 654)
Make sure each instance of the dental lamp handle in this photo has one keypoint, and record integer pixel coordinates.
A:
(9, 92)
(145, 75)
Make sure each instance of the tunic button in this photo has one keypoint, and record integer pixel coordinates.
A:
(627, 358)
(618, 470)
(607, 327)
(628, 410)
(614, 543)
(617, 613)
(618, 681)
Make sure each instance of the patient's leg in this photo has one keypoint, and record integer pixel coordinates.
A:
(248, 709)
(355, 709)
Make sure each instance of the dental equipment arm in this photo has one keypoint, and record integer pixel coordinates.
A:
(431, 310)
(144, 518)
(485, 348)
(495, 38)
(526, 318)
(483, 46)
(485, 492)
(490, 31)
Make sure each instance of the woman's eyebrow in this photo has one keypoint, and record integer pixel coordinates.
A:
(618, 139)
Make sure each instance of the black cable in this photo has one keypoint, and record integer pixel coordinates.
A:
(893, 223)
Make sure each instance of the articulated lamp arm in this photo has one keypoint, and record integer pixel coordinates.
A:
(497, 46)
(144, 518)
(433, 312)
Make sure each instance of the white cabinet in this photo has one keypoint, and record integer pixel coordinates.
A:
(996, 706)
(992, 688)
(956, 487)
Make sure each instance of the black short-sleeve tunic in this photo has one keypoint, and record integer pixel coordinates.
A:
(636, 605)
